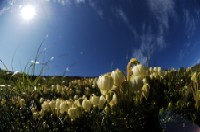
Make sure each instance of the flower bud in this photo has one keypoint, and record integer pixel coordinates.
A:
(41, 100)
(45, 106)
(58, 102)
(35, 115)
(63, 107)
(118, 77)
(52, 104)
(77, 103)
(73, 113)
(102, 101)
(33, 110)
(94, 100)
(86, 104)
(105, 82)
(76, 97)
(150, 69)
(84, 97)
(58, 88)
(139, 70)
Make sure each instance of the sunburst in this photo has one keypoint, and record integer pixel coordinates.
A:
(28, 12)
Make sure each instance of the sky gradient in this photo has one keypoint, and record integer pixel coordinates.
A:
(92, 37)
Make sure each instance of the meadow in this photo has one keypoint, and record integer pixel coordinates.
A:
(142, 99)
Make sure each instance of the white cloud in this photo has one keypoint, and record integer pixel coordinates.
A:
(149, 40)
(145, 49)
(97, 9)
(190, 24)
(160, 41)
(191, 21)
(80, 1)
(139, 55)
(122, 15)
(162, 9)
(61, 2)
(119, 12)
(5, 9)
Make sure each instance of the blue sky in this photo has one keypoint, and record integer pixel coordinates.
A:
(92, 37)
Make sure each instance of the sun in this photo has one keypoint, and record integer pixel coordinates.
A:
(28, 12)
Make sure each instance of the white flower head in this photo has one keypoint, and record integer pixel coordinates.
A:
(118, 77)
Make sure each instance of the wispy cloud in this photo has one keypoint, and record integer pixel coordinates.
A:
(80, 1)
(151, 41)
(146, 48)
(5, 9)
(190, 24)
(119, 13)
(147, 40)
(162, 9)
(64, 2)
(93, 4)
(191, 21)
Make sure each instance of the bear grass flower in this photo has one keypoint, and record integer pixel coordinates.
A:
(35, 115)
(63, 107)
(58, 102)
(77, 103)
(118, 77)
(86, 104)
(105, 83)
(139, 70)
(73, 113)
(45, 106)
(94, 100)
(102, 101)
(137, 83)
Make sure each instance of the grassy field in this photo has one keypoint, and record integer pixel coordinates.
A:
(142, 99)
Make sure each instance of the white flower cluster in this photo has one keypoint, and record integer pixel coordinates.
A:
(113, 81)
(73, 108)
(157, 72)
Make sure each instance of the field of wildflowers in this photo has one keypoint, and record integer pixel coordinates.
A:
(142, 99)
